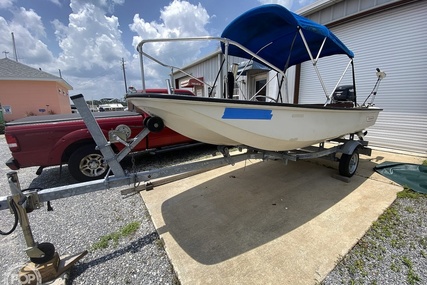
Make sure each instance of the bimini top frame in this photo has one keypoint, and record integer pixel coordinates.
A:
(286, 39)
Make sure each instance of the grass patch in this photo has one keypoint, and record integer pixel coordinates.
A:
(130, 229)
(412, 277)
(386, 223)
(126, 231)
(408, 193)
(410, 209)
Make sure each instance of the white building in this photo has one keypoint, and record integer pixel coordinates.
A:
(386, 34)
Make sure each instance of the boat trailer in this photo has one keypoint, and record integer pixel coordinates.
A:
(46, 262)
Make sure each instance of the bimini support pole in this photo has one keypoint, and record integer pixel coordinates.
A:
(226, 76)
(354, 81)
(329, 97)
(314, 61)
(141, 64)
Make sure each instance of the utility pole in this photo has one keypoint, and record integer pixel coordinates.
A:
(14, 47)
(124, 75)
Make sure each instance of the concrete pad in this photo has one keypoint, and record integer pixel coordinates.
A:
(266, 222)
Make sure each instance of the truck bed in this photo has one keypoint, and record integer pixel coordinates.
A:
(67, 117)
(54, 140)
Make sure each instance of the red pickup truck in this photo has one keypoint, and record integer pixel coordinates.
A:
(54, 140)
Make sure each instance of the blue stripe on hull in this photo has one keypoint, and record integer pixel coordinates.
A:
(247, 114)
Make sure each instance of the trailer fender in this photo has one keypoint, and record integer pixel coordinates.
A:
(349, 147)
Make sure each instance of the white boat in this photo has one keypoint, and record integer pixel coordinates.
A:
(284, 40)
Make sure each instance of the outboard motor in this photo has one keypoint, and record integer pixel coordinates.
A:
(344, 93)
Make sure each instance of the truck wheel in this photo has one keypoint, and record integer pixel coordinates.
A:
(348, 163)
(86, 164)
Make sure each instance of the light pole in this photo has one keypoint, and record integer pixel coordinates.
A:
(124, 74)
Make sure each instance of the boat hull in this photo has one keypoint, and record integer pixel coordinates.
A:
(261, 125)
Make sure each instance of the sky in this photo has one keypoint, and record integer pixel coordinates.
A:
(86, 41)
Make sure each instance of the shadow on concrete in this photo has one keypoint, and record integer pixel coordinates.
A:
(238, 211)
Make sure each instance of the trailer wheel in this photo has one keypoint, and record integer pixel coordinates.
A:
(48, 250)
(348, 163)
(86, 164)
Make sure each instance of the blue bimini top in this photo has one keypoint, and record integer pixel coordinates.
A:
(272, 32)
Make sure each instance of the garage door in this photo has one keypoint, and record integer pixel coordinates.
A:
(394, 41)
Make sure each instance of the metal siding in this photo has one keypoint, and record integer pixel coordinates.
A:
(208, 69)
(337, 10)
(393, 41)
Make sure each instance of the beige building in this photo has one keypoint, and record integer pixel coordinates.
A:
(27, 91)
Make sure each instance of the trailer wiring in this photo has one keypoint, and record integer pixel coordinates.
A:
(15, 211)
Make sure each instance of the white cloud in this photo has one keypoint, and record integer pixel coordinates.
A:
(178, 19)
(28, 30)
(92, 49)
(30, 21)
(91, 41)
(56, 2)
(6, 3)
(285, 3)
(105, 5)
(91, 45)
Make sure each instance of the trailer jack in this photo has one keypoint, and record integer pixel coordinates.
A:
(45, 263)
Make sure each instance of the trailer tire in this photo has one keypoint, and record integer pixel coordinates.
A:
(87, 163)
(48, 250)
(348, 163)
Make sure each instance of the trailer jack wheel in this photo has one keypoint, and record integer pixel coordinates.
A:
(348, 163)
(48, 250)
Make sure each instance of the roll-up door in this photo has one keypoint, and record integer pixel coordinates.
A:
(395, 41)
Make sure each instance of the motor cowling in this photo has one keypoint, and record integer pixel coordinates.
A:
(344, 93)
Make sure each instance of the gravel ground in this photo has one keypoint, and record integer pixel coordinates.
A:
(79, 222)
(394, 251)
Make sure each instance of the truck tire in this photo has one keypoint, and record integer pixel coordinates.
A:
(86, 164)
(348, 163)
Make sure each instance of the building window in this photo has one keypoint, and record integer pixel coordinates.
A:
(7, 109)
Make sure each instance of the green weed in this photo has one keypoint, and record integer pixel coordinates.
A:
(127, 230)
(412, 277)
(408, 193)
